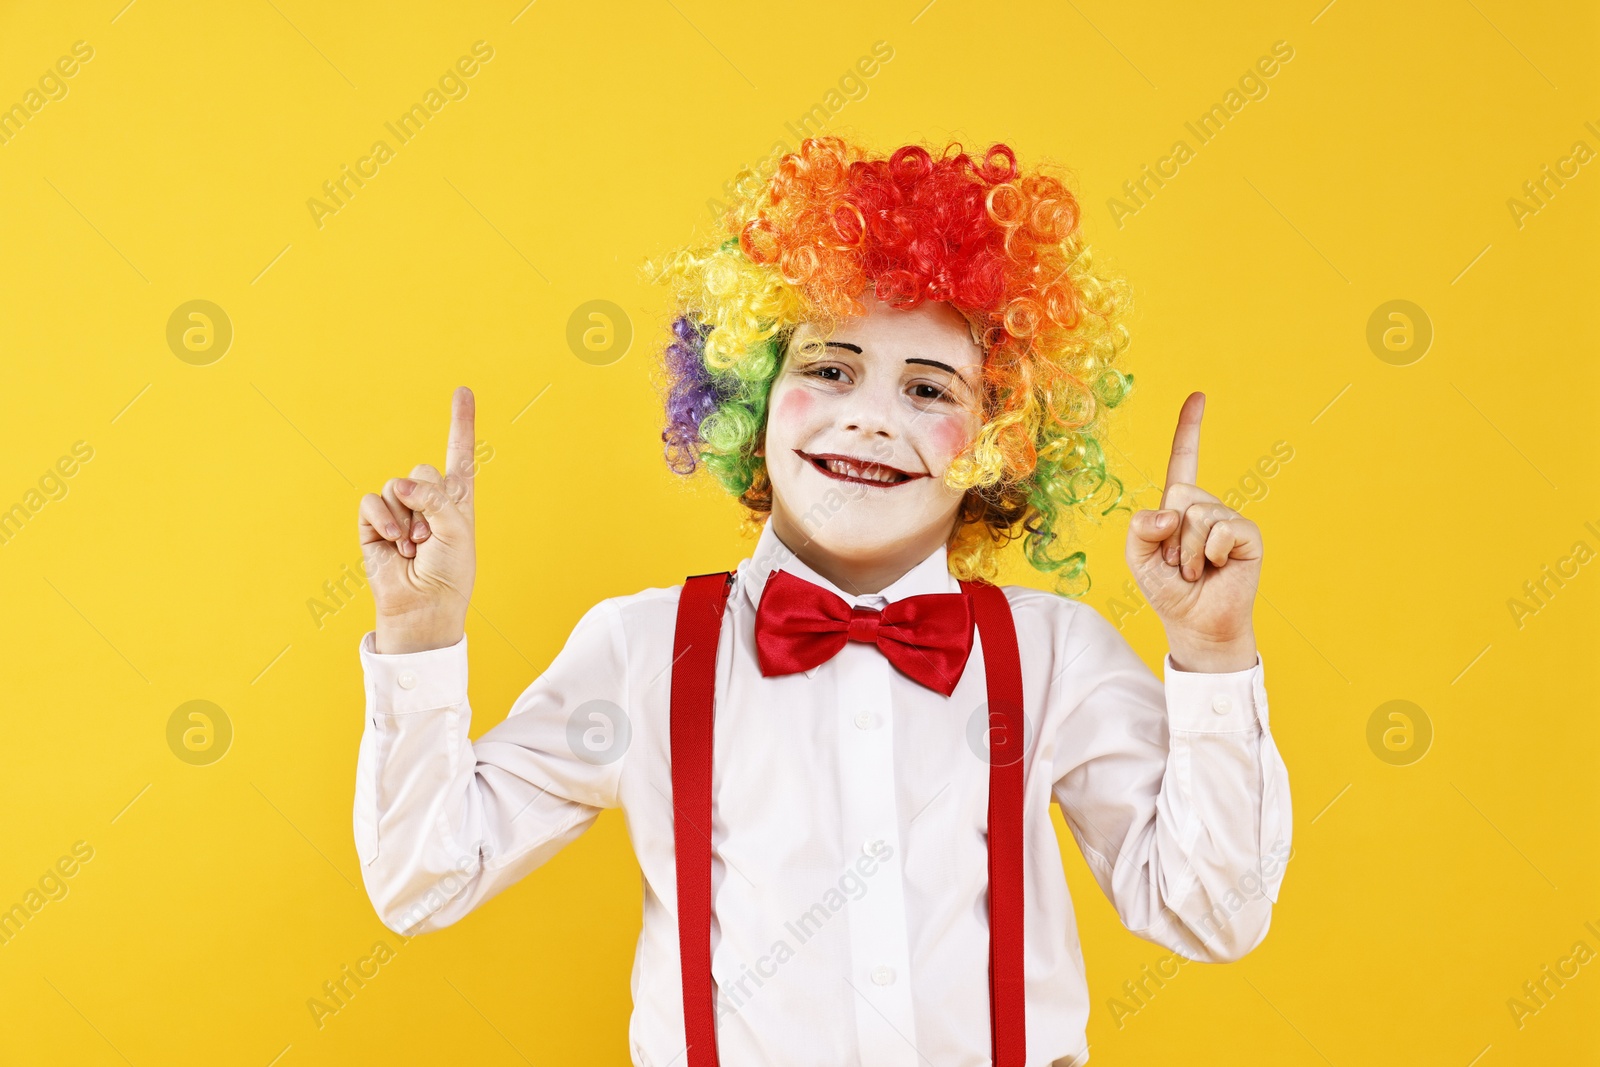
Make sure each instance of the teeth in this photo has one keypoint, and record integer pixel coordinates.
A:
(839, 466)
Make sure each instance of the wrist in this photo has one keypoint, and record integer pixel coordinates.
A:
(1201, 656)
(398, 635)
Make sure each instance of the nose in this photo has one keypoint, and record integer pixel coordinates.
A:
(870, 412)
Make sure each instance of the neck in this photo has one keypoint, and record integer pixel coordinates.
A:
(853, 574)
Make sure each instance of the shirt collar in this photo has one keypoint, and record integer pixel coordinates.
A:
(932, 575)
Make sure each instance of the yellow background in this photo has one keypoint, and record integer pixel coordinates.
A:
(1418, 501)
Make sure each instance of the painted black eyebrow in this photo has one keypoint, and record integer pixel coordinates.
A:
(856, 349)
(936, 363)
(925, 362)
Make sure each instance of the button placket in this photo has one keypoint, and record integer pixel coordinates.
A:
(879, 949)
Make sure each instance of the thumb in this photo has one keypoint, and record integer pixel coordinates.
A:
(1147, 531)
(433, 502)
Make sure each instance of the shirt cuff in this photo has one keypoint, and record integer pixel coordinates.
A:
(403, 682)
(1215, 703)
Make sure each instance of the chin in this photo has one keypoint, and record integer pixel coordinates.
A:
(859, 530)
(856, 538)
(861, 523)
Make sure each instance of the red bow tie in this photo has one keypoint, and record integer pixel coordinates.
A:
(800, 625)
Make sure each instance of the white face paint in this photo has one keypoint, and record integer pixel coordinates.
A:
(859, 436)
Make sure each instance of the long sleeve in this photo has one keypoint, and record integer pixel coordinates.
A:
(1175, 792)
(443, 824)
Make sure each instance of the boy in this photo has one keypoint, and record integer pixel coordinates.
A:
(837, 762)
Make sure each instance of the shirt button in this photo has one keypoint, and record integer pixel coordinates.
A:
(1221, 704)
(864, 720)
(407, 680)
(873, 846)
(883, 976)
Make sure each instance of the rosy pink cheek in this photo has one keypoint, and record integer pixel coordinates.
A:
(794, 405)
(948, 435)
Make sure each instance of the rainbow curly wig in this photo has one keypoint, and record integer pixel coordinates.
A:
(806, 234)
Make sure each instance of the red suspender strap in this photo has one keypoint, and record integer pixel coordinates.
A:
(694, 662)
(694, 681)
(1003, 668)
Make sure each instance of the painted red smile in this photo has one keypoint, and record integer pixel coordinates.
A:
(850, 469)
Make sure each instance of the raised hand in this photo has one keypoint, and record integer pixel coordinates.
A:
(418, 542)
(1198, 562)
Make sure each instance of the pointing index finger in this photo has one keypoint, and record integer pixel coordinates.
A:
(1184, 466)
(459, 450)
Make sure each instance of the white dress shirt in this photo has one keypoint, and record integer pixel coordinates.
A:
(849, 870)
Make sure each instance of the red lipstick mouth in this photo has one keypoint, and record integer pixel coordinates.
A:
(862, 471)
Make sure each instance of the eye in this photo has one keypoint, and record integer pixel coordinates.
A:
(930, 391)
(830, 373)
